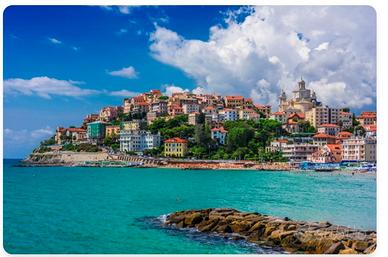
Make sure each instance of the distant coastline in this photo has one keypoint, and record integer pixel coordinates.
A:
(103, 159)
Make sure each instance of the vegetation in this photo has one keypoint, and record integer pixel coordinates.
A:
(306, 127)
(84, 147)
(112, 141)
(175, 127)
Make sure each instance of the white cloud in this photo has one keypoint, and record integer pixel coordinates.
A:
(25, 136)
(170, 89)
(323, 46)
(123, 93)
(273, 46)
(120, 9)
(46, 87)
(55, 41)
(122, 31)
(24, 140)
(75, 48)
(126, 72)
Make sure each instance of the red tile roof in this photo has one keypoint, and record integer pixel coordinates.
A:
(278, 113)
(322, 135)
(221, 129)
(76, 130)
(234, 97)
(327, 125)
(175, 140)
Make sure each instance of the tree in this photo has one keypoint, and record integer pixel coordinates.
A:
(238, 137)
(306, 127)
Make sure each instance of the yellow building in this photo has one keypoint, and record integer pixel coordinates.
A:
(175, 147)
(112, 130)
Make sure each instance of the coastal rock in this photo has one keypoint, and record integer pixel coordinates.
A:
(335, 248)
(292, 236)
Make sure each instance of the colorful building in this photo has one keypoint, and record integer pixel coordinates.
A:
(112, 130)
(96, 131)
(219, 134)
(175, 147)
(233, 101)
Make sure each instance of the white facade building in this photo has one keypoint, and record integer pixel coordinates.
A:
(359, 149)
(138, 140)
(229, 114)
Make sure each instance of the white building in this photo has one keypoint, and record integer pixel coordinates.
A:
(330, 129)
(297, 153)
(190, 108)
(229, 114)
(359, 149)
(138, 140)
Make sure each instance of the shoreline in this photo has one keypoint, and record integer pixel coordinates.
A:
(105, 160)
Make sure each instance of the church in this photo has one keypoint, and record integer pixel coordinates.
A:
(303, 100)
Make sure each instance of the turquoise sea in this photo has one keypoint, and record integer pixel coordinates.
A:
(113, 210)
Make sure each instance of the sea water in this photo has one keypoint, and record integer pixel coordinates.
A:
(116, 210)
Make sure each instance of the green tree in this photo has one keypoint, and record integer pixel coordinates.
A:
(306, 127)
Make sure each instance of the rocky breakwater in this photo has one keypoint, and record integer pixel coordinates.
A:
(292, 236)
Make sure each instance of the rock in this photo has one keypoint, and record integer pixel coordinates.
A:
(370, 249)
(207, 225)
(335, 248)
(360, 246)
(193, 219)
(292, 236)
(348, 251)
(240, 226)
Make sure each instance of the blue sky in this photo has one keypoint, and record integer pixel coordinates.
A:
(61, 63)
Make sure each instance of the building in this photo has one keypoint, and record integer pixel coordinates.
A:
(70, 135)
(367, 118)
(370, 130)
(322, 155)
(228, 114)
(138, 140)
(341, 136)
(112, 130)
(219, 135)
(133, 125)
(330, 129)
(151, 116)
(298, 152)
(190, 108)
(303, 99)
(264, 109)
(322, 139)
(193, 118)
(279, 116)
(160, 107)
(174, 110)
(336, 151)
(248, 114)
(89, 118)
(175, 147)
(96, 131)
(345, 120)
(110, 112)
(359, 149)
(277, 145)
(234, 101)
(322, 115)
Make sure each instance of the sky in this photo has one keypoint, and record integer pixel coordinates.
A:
(64, 62)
